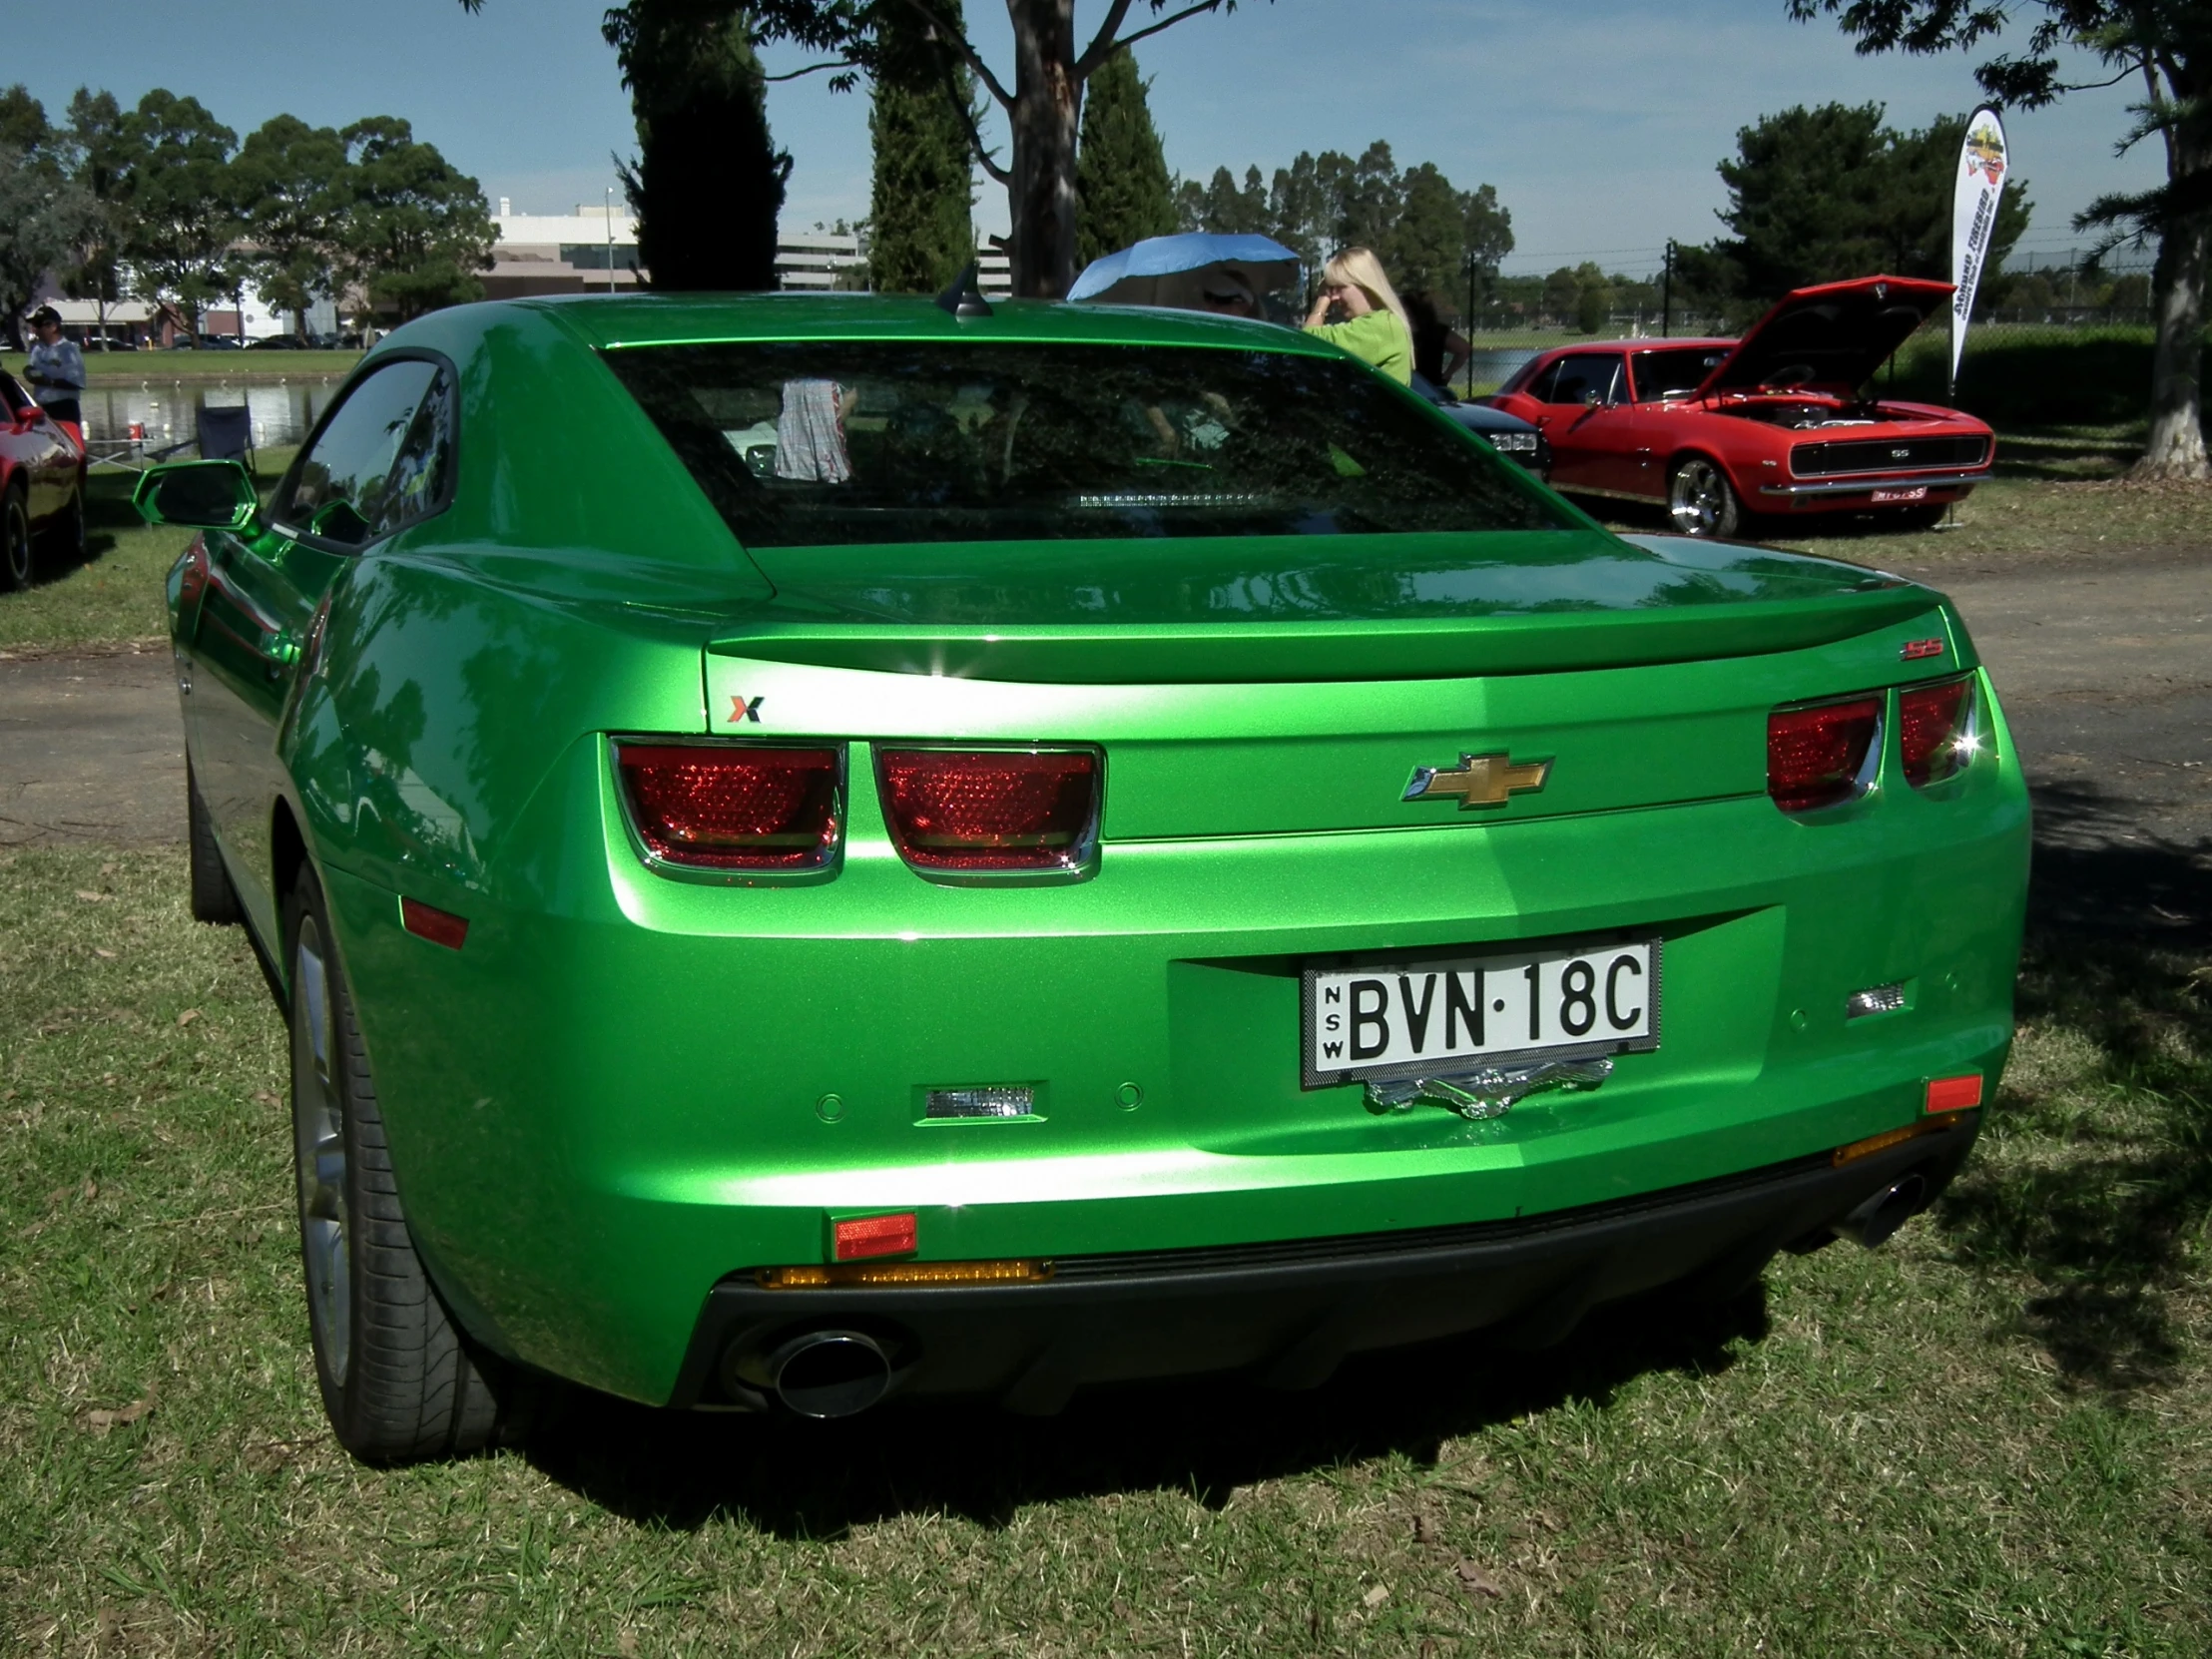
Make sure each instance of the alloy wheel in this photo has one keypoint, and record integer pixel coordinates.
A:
(319, 1129)
(1697, 499)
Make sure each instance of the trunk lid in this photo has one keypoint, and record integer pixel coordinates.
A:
(1831, 338)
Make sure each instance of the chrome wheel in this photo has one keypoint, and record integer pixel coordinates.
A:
(1699, 499)
(318, 1133)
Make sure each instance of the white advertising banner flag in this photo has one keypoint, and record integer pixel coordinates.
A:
(1983, 162)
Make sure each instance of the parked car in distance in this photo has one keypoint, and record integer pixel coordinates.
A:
(1514, 438)
(1720, 432)
(277, 342)
(221, 342)
(817, 848)
(42, 487)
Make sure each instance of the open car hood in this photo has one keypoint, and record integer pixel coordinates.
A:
(1828, 338)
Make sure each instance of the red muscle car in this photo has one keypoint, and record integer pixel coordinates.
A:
(42, 485)
(1776, 422)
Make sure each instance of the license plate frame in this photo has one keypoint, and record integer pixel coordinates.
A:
(1647, 948)
(1895, 497)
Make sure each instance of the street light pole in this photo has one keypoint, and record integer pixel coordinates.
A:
(610, 238)
(1666, 295)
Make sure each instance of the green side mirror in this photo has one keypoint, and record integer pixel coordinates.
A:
(202, 495)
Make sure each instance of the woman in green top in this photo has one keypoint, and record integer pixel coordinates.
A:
(1374, 328)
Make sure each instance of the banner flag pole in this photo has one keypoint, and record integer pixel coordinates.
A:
(1983, 162)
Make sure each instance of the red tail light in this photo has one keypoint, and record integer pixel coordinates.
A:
(1817, 756)
(1935, 730)
(992, 809)
(731, 807)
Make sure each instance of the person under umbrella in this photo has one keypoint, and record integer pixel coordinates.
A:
(1373, 325)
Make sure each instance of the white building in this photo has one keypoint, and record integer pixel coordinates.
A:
(573, 253)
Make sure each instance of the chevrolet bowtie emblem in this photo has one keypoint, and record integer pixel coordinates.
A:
(1478, 779)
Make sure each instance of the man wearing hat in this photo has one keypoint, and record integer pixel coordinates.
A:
(56, 368)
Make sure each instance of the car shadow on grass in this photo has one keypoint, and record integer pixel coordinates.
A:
(2096, 1181)
(1206, 1436)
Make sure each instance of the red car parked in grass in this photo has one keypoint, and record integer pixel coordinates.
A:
(1719, 432)
(42, 485)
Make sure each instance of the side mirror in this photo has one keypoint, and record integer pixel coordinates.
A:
(1592, 398)
(202, 495)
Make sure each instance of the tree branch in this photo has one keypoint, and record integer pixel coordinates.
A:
(1103, 43)
(1084, 66)
(810, 69)
(992, 169)
(958, 42)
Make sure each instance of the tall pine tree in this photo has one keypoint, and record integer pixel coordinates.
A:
(921, 233)
(709, 181)
(1121, 174)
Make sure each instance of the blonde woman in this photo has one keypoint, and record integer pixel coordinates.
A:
(1374, 328)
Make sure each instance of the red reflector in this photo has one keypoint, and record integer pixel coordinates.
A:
(991, 808)
(1816, 756)
(1932, 722)
(1954, 1094)
(853, 1240)
(733, 807)
(438, 926)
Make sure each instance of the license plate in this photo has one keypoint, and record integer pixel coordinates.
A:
(1919, 492)
(1414, 1019)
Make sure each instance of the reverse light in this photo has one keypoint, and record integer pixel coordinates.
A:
(990, 812)
(1935, 729)
(998, 1100)
(733, 807)
(1822, 753)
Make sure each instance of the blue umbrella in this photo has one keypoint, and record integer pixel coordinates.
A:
(1173, 271)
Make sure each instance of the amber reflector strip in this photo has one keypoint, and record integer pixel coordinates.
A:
(438, 926)
(1891, 1137)
(903, 1272)
(874, 1235)
(1954, 1094)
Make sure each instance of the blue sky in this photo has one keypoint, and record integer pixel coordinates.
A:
(1599, 121)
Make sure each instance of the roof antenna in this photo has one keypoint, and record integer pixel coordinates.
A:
(965, 297)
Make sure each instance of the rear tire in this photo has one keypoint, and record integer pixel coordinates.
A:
(1701, 501)
(17, 565)
(214, 900)
(399, 1381)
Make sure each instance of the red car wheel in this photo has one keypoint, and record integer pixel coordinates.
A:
(1701, 501)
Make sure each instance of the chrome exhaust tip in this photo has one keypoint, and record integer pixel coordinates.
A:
(1873, 1221)
(830, 1373)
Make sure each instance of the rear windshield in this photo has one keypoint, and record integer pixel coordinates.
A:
(824, 444)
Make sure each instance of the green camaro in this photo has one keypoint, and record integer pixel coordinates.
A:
(816, 847)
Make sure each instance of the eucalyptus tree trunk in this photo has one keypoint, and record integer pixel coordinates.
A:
(2176, 448)
(1047, 110)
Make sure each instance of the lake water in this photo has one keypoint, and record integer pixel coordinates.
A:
(282, 410)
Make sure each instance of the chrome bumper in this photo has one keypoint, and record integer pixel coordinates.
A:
(1860, 484)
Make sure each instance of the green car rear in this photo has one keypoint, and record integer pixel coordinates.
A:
(1035, 949)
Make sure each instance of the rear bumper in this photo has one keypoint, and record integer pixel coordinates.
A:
(1291, 1310)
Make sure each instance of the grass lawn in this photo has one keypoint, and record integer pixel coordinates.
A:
(1994, 1437)
(101, 367)
(115, 596)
